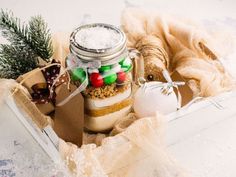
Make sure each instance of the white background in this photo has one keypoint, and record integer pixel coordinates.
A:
(66, 15)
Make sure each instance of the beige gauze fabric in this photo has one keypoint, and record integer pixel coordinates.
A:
(190, 49)
(138, 151)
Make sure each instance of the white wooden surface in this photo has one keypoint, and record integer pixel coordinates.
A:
(207, 150)
(210, 152)
(23, 151)
(203, 140)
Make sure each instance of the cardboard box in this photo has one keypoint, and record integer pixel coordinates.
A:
(69, 118)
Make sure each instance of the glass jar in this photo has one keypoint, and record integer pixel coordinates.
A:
(100, 62)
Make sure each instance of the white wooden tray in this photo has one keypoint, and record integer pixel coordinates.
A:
(25, 150)
(203, 137)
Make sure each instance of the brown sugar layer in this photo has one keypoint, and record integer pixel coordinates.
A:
(109, 109)
(105, 91)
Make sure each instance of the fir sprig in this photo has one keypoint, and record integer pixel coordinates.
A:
(12, 29)
(28, 43)
(40, 37)
(14, 63)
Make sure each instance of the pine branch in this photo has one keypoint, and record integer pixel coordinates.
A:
(11, 66)
(28, 43)
(12, 29)
(36, 36)
(40, 37)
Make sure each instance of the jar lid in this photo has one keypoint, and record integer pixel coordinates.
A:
(98, 41)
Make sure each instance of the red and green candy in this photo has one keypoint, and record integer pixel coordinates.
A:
(105, 75)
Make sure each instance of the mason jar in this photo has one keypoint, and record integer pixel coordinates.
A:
(100, 63)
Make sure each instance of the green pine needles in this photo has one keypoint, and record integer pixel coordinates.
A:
(28, 43)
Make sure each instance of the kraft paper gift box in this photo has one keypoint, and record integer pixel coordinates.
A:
(68, 119)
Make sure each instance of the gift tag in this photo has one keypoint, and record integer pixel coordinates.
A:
(69, 118)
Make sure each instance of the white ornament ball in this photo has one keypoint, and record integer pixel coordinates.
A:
(149, 99)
